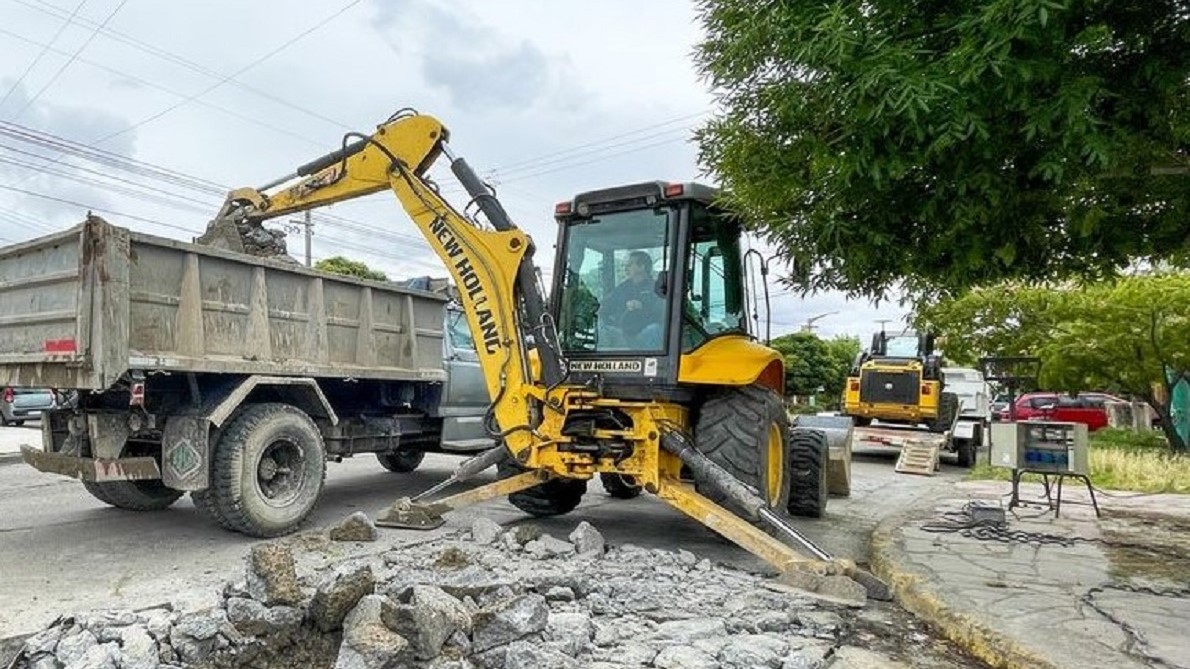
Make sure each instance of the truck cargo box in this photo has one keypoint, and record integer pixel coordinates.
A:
(80, 308)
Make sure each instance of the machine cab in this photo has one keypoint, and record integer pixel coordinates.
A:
(645, 273)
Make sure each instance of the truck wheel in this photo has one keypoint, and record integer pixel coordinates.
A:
(402, 460)
(809, 453)
(966, 449)
(204, 501)
(134, 495)
(620, 486)
(745, 430)
(948, 409)
(270, 464)
(552, 498)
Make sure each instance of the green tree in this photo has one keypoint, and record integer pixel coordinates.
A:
(341, 265)
(812, 363)
(843, 351)
(1131, 335)
(952, 144)
(807, 362)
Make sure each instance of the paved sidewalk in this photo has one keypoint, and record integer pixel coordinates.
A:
(1045, 592)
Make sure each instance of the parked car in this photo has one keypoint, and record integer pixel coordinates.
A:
(1086, 408)
(21, 404)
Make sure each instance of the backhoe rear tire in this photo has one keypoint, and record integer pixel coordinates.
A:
(810, 452)
(745, 430)
(269, 468)
(402, 460)
(948, 410)
(552, 498)
(620, 486)
(134, 495)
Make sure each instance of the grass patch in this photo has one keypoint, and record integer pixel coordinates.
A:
(1120, 460)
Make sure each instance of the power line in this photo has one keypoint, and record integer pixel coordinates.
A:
(41, 54)
(165, 89)
(104, 210)
(70, 61)
(231, 76)
(570, 150)
(176, 59)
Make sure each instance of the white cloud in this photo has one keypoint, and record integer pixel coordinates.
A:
(546, 99)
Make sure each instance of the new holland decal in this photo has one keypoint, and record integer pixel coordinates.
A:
(613, 366)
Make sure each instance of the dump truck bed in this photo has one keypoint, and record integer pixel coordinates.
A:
(80, 308)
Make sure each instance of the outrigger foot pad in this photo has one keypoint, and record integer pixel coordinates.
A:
(407, 514)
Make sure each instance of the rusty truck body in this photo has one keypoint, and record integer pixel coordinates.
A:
(231, 377)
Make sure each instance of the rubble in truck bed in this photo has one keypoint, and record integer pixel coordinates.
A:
(248, 237)
(495, 599)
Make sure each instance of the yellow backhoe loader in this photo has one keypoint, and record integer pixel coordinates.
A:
(640, 367)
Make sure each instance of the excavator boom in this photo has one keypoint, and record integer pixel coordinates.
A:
(492, 268)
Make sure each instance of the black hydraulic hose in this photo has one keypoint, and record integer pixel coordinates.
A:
(526, 280)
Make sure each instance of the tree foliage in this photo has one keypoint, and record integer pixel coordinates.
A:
(812, 363)
(1129, 335)
(953, 144)
(341, 265)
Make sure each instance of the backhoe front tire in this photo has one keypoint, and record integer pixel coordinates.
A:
(745, 430)
(948, 410)
(134, 495)
(270, 465)
(809, 455)
(552, 498)
(402, 460)
(620, 486)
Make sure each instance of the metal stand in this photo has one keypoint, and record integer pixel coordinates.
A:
(1051, 502)
(1014, 373)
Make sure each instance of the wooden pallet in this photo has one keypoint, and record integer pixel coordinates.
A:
(918, 457)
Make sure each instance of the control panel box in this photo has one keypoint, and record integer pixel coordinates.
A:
(1041, 446)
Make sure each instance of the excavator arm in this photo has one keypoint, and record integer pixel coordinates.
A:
(492, 268)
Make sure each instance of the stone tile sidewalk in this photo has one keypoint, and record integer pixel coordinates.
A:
(1070, 592)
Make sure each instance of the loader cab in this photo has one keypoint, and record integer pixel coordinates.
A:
(644, 273)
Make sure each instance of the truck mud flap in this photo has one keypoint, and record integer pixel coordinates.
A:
(92, 469)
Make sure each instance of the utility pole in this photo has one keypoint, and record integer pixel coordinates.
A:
(309, 233)
(307, 227)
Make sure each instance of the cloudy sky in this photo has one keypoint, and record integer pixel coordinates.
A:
(147, 111)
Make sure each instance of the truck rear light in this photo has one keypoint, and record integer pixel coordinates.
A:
(137, 398)
(9, 396)
(854, 386)
(674, 190)
(562, 209)
(925, 390)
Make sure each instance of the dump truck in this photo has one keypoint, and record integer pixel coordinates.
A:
(176, 348)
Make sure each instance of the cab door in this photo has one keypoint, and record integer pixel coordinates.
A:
(465, 395)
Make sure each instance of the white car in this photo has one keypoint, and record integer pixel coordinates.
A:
(18, 405)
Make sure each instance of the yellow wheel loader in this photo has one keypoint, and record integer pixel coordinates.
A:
(899, 380)
(640, 367)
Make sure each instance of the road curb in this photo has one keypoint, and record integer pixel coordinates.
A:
(913, 592)
(10, 459)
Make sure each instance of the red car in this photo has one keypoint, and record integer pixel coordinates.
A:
(1084, 408)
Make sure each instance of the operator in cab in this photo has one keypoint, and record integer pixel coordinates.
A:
(634, 306)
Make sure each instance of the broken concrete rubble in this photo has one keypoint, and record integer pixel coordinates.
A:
(466, 600)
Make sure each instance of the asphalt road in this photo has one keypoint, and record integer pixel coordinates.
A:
(62, 551)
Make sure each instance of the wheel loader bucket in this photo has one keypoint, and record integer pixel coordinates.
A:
(838, 431)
